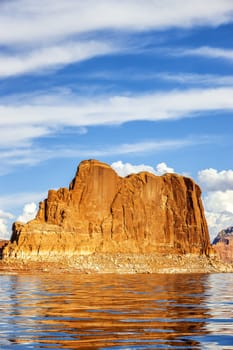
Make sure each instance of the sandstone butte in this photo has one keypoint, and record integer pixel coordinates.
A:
(102, 212)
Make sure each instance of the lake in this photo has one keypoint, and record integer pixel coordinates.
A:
(117, 312)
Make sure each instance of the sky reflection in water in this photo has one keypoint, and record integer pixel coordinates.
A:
(116, 311)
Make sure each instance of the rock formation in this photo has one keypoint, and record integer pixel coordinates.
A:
(102, 212)
(3, 244)
(223, 244)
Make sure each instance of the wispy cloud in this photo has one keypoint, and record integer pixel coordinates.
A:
(48, 21)
(208, 52)
(186, 78)
(31, 156)
(197, 79)
(44, 58)
(27, 118)
(71, 110)
(45, 35)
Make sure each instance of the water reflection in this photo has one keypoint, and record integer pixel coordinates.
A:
(116, 312)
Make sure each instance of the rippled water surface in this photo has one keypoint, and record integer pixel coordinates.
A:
(116, 312)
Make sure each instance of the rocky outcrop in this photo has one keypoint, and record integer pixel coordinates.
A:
(102, 212)
(223, 244)
(3, 244)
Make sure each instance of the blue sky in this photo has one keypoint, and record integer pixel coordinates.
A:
(137, 84)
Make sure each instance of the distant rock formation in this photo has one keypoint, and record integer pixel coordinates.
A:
(102, 212)
(223, 244)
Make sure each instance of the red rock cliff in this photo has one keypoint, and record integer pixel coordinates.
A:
(223, 244)
(102, 212)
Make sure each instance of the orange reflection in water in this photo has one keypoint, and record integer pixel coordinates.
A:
(108, 311)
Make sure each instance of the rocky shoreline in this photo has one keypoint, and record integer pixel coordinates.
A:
(118, 264)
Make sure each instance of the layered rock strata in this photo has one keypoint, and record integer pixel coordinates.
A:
(223, 244)
(102, 212)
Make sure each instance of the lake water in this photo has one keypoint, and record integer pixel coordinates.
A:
(116, 311)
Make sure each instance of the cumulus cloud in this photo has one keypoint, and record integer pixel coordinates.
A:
(218, 222)
(218, 200)
(18, 200)
(162, 168)
(212, 180)
(4, 231)
(219, 210)
(124, 169)
(14, 203)
(4, 227)
(29, 212)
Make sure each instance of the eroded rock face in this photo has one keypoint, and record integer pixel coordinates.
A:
(102, 212)
(223, 244)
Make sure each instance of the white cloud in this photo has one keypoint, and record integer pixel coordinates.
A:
(124, 169)
(29, 212)
(18, 200)
(212, 180)
(25, 21)
(69, 31)
(162, 168)
(40, 115)
(152, 146)
(6, 218)
(218, 222)
(4, 229)
(52, 57)
(194, 79)
(22, 135)
(33, 155)
(209, 52)
(219, 210)
(219, 201)
(30, 117)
